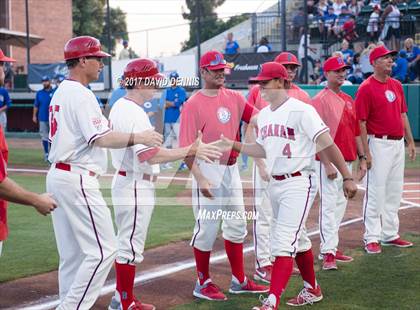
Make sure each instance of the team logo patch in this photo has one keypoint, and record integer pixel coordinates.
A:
(223, 114)
(147, 105)
(97, 122)
(390, 95)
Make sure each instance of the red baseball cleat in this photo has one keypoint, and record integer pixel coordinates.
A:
(340, 257)
(137, 305)
(208, 291)
(329, 262)
(248, 286)
(268, 303)
(373, 248)
(400, 243)
(306, 296)
(263, 274)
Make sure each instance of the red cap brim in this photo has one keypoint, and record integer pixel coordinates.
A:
(7, 59)
(263, 78)
(101, 54)
(290, 63)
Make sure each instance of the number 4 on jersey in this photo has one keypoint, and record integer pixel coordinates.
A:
(286, 151)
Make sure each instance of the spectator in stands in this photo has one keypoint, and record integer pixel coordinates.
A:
(356, 76)
(346, 50)
(318, 73)
(231, 46)
(341, 19)
(298, 24)
(40, 112)
(355, 6)
(349, 30)
(263, 46)
(338, 5)
(302, 59)
(400, 68)
(374, 3)
(327, 23)
(365, 64)
(391, 32)
(373, 23)
(413, 57)
(322, 7)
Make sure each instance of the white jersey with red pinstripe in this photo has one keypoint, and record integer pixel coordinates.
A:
(288, 136)
(82, 224)
(76, 121)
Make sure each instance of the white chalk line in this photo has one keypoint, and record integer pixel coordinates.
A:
(170, 269)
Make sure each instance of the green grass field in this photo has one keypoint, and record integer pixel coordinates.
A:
(387, 281)
(30, 248)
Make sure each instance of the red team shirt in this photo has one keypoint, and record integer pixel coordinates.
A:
(214, 116)
(338, 111)
(3, 174)
(380, 105)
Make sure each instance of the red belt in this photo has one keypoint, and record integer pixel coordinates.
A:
(231, 161)
(146, 177)
(68, 167)
(286, 176)
(385, 137)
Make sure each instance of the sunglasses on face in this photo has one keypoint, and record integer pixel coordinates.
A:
(291, 68)
(217, 61)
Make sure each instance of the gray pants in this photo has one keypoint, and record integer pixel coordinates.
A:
(44, 129)
(3, 120)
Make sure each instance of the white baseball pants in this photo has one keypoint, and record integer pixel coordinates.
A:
(85, 237)
(291, 200)
(134, 201)
(384, 186)
(227, 190)
(332, 206)
(262, 223)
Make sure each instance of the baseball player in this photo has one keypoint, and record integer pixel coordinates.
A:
(79, 134)
(215, 110)
(289, 131)
(338, 111)
(4, 94)
(382, 111)
(9, 190)
(261, 225)
(40, 112)
(133, 191)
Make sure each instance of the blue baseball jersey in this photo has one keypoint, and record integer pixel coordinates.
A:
(4, 97)
(177, 95)
(42, 102)
(231, 47)
(116, 94)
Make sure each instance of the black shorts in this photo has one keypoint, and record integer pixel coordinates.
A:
(396, 32)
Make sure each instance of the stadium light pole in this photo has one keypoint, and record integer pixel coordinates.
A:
(198, 39)
(283, 25)
(305, 41)
(108, 21)
(28, 46)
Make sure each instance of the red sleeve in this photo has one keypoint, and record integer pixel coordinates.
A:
(188, 124)
(248, 110)
(253, 95)
(146, 154)
(3, 173)
(362, 102)
(356, 121)
(4, 150)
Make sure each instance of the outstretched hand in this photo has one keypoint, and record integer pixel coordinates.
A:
(204, 151)
(224, 144)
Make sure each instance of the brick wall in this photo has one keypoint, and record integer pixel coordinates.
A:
(50, 19)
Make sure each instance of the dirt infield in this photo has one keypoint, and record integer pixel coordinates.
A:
(176, 288)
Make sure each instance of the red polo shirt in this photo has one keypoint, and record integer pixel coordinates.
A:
(380, 105)
(214, 116)
(338, 111)
(3, 175)
(298, 93)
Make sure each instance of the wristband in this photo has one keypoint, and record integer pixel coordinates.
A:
(362, 157)
(347, 179)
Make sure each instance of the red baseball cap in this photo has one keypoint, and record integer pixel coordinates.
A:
(379, 52)
(335, 63)
(213, 60)
(271, 70)
(287, 58)
(4, 58)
